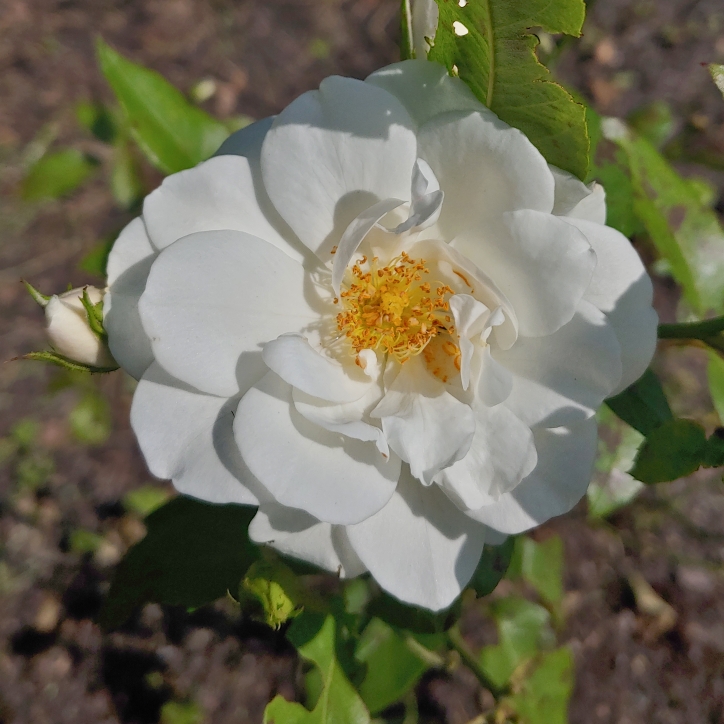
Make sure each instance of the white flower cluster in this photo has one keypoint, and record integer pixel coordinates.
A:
(384, 319)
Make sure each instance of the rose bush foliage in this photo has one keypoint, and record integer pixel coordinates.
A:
(384, 319)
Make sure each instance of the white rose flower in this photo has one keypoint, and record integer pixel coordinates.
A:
(384, 319)
(69, 330)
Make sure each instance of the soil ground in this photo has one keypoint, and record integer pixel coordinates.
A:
(55, 665)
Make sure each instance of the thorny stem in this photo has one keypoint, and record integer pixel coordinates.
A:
(456, 641)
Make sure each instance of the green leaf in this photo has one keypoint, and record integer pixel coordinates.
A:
(173, 133)
(496, 58)
(392, 666)
(543, 696)
(90, 419)
(717, 74)
(84, 541)
(541, 565)
(620, 211)
(685, 231)
(643, 405)
(521, 628)
(193, 553)
(315, 638)
(175, 712)
(492, 567)
(57, 174)
(715, 373)
(672, 451)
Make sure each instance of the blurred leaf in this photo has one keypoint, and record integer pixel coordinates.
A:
(175, 712)
(492, 567)
(57, 174)
(541, 565)
(25, 432)
(489, 46)
(643, 405)
(193, 553)
(84, 541)
(90, 419)
(144, 500)
(655, 122)
(685, 232)
(97, 119)
(612, 487)
(173, 133)
(520, 625)
(33, 470)
(278, 590)
(620, 211)
(94, 262)
(392, 667)
(315, 638)
(543, 696)
(672, 451)
(126, 183)
(717, 74)
(715, 373)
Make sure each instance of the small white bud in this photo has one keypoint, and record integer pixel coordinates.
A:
(69, 330)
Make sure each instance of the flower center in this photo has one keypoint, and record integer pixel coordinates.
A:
(393, 308)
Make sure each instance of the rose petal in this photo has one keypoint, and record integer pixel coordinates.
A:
(423, 423)
(559, 481)
(128, 265)
(425, 89)
(298, 363)
(622, 289)
(419, 547)
(563, 378)
(213, 299)
(576, 200)
(501, 455)
(333, 153)
(335, 479)
(485, 168)
(297, 534)
(541, 267)
(187, 436)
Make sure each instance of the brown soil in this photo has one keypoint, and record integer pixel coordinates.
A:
(55, 665)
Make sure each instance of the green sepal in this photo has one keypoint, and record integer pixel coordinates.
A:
(95, 315)
(65, 363)
(41, 299)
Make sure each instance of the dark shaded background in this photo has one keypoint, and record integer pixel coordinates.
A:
(55, 666)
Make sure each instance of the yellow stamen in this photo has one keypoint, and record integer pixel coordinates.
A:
(389, 309)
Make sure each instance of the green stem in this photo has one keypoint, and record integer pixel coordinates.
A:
(692, 330)
(456, 641)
